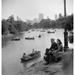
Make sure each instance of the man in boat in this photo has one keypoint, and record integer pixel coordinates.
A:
(49, 52)
(26, 56)
(33, 51)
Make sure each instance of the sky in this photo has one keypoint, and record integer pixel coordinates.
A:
(30, 9)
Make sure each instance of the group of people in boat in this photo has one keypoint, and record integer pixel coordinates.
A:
(53, 50)
(27, 56)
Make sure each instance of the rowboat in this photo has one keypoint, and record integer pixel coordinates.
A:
(29, 38)
(15, 39)
(50, 32)
(31, 56)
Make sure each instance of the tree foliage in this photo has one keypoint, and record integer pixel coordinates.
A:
(13, 26)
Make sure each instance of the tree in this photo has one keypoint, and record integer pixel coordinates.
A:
(10, 19)
(4, 26)
(69, 22)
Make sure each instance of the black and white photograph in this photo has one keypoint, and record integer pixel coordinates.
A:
(37, 37)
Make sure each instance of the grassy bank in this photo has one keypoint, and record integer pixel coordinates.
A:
(64, 67)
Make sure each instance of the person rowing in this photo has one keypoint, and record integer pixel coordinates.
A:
(26, 56)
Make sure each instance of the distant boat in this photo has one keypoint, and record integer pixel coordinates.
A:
(50, 31)
(15, 39)
(39, 36)
(29, 38)
(31, 56)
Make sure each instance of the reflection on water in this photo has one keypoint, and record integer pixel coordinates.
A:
(13, 51)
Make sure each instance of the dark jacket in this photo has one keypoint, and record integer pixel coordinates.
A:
(54, 46)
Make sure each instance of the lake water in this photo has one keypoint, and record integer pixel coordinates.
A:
(13, 51)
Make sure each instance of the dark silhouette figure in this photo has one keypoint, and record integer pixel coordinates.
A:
(49, 52)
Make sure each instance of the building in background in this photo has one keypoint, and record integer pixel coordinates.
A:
(56, 17)
(29, 21)
(41, 16)
(36, 20)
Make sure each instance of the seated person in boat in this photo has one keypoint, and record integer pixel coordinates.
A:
(26, 56)
(33, 51)
(50, 51)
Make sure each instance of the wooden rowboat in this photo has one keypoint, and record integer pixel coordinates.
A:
(29, 38)
(31, 56)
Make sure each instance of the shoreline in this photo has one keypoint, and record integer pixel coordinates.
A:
(52, 69)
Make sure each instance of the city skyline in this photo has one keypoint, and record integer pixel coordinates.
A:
(29, 9)
(36, 20)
